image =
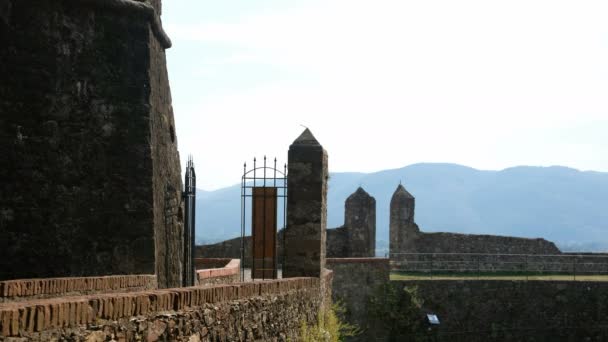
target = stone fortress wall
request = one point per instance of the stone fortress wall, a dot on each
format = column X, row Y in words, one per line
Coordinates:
column 219, row 308
column 91, row 212
column 406, row 237
column 91, row 181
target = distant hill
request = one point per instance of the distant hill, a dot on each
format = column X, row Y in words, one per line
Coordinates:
column 564, row 205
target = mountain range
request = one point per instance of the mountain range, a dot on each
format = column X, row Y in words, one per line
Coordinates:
column 564, row 205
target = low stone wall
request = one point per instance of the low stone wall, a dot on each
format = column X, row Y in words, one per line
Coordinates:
column 584, row 264
column 26, row 289
column 217, row 271
column 477, row 243
column 477, row 310
column 355, row 280
column 267, row 310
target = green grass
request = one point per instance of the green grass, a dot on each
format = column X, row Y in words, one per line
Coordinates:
column 495, row 276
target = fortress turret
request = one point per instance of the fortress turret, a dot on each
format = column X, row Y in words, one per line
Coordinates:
column 402, row 225
column 360, row 222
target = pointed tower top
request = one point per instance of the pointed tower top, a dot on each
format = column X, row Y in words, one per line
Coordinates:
column 306, row 138
column 359, row 193
column 401, row 192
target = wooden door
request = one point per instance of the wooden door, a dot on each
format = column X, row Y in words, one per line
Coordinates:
column 264, row 233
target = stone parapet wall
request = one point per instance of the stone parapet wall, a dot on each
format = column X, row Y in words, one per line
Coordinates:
column 473, row 243
column 218, row 271
column 26, row 289
column 531, row 263
column 39, row 318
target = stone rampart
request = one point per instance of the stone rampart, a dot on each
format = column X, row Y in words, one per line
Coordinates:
column 264, row 310
column 473, row 243
column 485, row 310
column 583, row 264
column 27, row 289
column 355, row 280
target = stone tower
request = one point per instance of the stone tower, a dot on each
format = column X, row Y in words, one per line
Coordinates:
column 305, row 234
column 90, row 170
column 402, row 226
column 360, row 224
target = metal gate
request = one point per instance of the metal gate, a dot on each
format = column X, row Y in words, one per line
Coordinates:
column 264, row 185
column 189, row 223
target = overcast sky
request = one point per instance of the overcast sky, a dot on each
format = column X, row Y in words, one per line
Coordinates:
column 384, row 84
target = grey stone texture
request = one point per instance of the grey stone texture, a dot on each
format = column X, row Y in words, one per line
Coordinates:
column 306, row 208
column 406, row 237
column 486, row 310
column 355, row 281
column 357, row 237
column 90, row 170
column 402, row 229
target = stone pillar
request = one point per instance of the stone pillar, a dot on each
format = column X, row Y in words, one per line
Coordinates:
column 360, row 223
column 306, row 208
column 402, row 225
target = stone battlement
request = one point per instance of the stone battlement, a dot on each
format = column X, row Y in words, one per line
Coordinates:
column 39, row 315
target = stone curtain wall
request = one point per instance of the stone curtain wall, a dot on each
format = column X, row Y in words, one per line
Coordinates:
column 514, row 310
column 354, row 281
column 511, row 263
column 406, row 237
column 27, row 289
column 268, row 310
column 91, row 178
column 470, row 243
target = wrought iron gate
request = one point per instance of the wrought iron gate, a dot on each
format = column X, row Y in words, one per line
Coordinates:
column 264, row 185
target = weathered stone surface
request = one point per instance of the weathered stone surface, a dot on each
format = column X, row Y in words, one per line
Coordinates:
column 402, row 226
column 514, row 310
column 269, row 311
column 406, row 237
column 357, row 237
column 354, row 281
column 306, row 208
column 90, row 168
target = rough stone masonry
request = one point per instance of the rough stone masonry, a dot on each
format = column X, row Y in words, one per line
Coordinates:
column 90, row 169
column 406, row 237
column 306, row 208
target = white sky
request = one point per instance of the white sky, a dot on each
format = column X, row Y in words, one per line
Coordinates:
column 384, row 84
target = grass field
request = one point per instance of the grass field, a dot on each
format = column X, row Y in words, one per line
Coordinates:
column 496, row 276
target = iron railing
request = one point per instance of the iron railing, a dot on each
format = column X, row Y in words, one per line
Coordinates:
column 526, row 266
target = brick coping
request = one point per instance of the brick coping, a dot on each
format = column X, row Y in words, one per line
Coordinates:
column 82, row 285
column 38, row 315
column 231, row 268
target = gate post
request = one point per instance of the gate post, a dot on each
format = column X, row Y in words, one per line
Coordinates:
column 306, row 208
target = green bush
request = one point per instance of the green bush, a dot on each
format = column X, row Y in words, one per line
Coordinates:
column 397, row 310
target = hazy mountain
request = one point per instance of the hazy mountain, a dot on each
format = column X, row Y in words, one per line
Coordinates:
column 564, row 205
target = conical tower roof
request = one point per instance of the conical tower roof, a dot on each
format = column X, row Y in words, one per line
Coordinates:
column 306, row 138
column 359, row 193
column 402, row 193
